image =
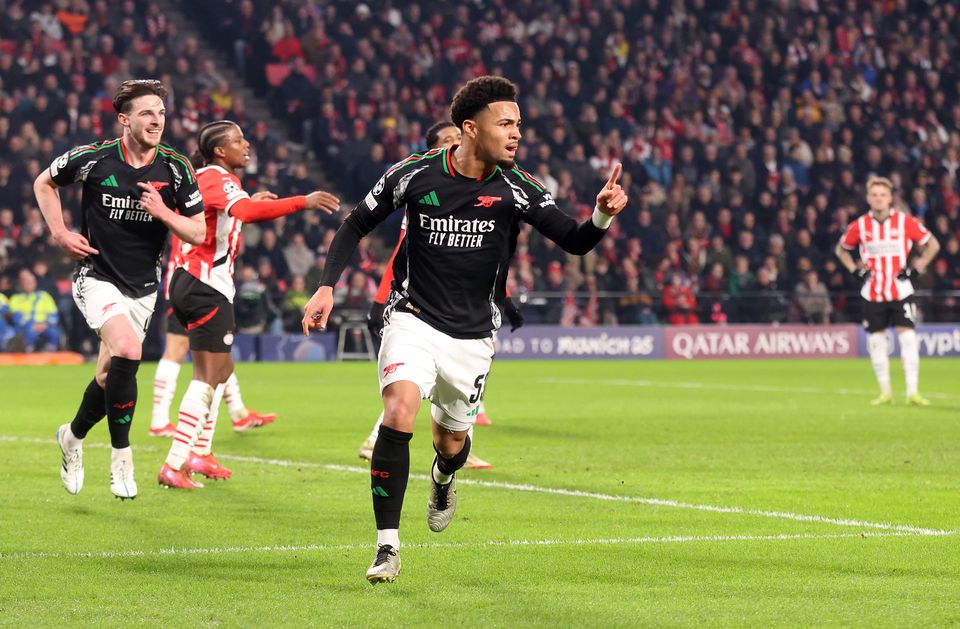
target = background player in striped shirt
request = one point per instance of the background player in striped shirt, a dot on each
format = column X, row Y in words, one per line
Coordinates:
column 202, row 290
column 885, row 238
column 130, row 187
column 441, row 135
column 175, row 349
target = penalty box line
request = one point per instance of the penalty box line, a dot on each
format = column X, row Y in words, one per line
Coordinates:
column 574, row 493
column 511, row 543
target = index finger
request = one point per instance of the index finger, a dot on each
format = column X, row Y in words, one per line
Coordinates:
column 146, row 187
column 614, row 176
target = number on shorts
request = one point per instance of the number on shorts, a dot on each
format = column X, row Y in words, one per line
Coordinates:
column 910, row 311
column 480, row 382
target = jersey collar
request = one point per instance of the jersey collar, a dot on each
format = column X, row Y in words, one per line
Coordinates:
column 213, row 167
column 451, row 171
column 123, row 154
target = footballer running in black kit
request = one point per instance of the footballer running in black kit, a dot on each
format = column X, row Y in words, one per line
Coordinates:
column 129, row 239
column 454, row 254
column 464, row 204
column 130, row 186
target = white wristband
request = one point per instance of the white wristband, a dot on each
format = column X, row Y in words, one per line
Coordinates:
column 600, row 219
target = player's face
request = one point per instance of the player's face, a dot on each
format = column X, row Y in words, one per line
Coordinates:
column 145, row 120
column 447, row 137
column 880, row 199
column 234, row 149
column 497, row 132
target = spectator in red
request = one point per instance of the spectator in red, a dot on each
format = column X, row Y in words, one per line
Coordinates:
column 679, row 301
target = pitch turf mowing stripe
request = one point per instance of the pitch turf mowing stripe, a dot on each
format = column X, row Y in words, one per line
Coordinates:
column 574, row 493
column 726, row 387
column 672, row 539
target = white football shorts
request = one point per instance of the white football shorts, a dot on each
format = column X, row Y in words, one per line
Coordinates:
column 100, row 301
column 450, row 372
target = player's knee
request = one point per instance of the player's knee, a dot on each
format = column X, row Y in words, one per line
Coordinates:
column 399, row 412
column 450, row 446
column 127, row 348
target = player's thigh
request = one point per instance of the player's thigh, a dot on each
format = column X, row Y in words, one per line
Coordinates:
column 99, row 301
column 463, row 366
column 176, row 345
column 903, row 313
column 120, row 337
column 407, row 354
column 877, row 315
column 206, row 314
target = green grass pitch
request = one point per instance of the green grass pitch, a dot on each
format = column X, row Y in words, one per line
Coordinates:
column 623, row 494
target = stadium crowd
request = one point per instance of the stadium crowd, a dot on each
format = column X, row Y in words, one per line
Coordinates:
column 746, row 130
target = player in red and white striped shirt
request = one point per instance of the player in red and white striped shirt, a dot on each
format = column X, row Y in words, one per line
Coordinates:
column 202, row 291
column 175, row 352
column 885, row 237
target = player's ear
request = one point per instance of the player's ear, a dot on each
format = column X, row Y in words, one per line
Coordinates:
column 469, row 129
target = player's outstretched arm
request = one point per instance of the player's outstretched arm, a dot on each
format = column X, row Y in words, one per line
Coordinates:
column 573, row 237
column 48, row 200
column 191, row 229
column 267, row 206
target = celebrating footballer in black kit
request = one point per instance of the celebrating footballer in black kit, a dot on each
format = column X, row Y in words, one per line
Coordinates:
column 130, row 185
column 463, row 204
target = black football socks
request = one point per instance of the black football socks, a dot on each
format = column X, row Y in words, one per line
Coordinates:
column 389, row 469
column 93, row 407
column 121, row 399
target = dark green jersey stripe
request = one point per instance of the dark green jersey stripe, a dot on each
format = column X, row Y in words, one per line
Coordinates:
column 528, row 179
column 191, row 177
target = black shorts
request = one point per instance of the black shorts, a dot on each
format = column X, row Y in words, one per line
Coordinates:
column 205, row 313
column 880, row 315
column 173, row 324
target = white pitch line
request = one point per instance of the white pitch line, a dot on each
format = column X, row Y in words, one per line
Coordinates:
column 673, row 539
column 574, row 493
column 719, row 386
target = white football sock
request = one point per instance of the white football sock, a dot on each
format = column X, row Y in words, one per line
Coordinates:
column 388, row 536
column 205, row 440
column 376, row 428
column 878, row 347
column 231, row 394
column 164, row 388
column 194, row 410
column 910, row 357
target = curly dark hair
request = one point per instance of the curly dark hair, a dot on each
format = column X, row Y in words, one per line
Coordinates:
column 135, row 88
column 477, row 94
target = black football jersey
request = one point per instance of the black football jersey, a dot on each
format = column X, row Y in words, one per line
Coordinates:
column 459, row 239
column 130, row 241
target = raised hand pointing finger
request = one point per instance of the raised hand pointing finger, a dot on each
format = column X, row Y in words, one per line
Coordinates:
column 614, row 176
